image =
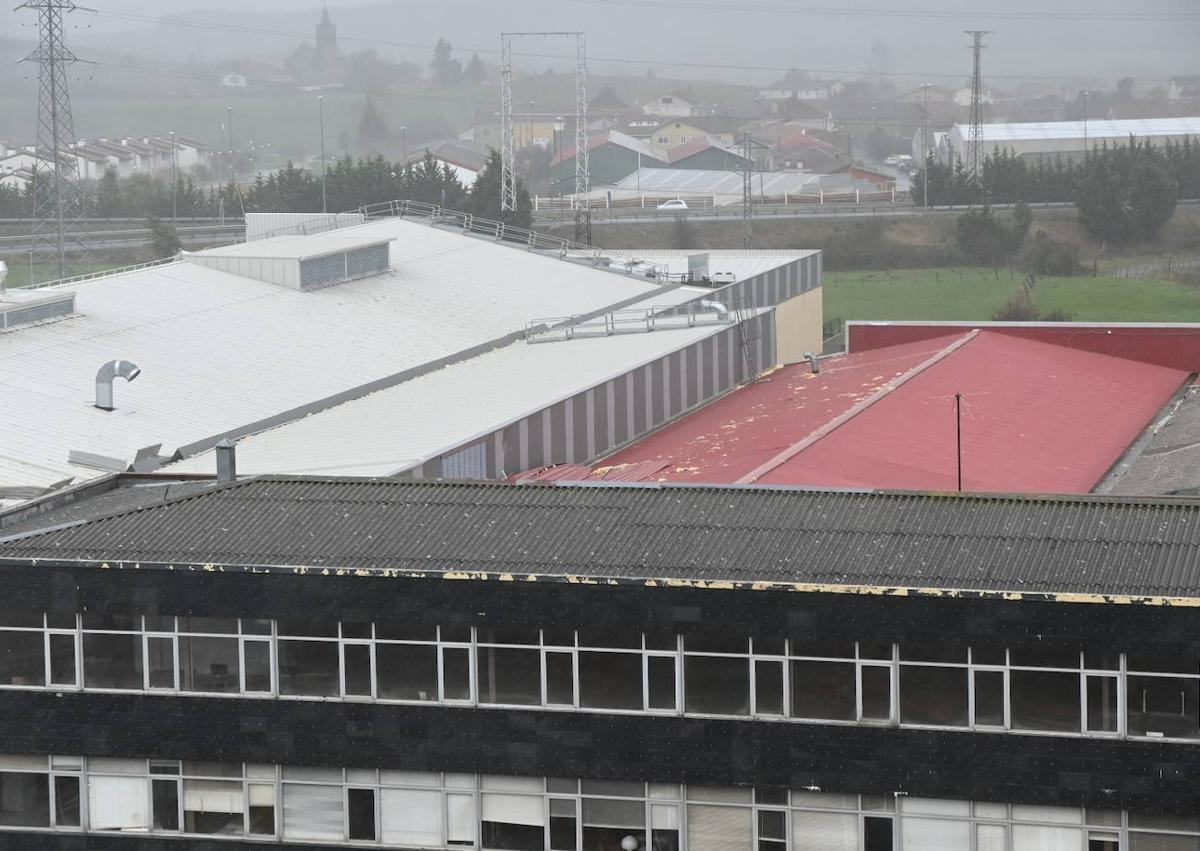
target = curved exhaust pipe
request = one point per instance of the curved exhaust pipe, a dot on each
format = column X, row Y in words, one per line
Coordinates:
column 104, row 380
column 716, row 306
column 812, row 363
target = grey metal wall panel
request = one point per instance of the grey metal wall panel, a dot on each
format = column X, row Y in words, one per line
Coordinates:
column 674, row 385
column 467, row 463
column 620, row 412
column 658, row 391
column 579, row 428
column 512, row 455
column 559, row 433
column 523, row 444
column 640, row 404
column 532, row 439
column 708, row 377
column 596, row 419
column 610, row 414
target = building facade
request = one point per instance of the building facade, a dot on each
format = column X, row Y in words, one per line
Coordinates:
column 523, row 668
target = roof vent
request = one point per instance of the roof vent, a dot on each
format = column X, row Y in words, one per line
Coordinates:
column 19, row 307
column 104, row 380
column 226, row 461
column 300, row 262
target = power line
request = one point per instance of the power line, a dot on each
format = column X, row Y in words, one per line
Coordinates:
column 610, row 60
column 957, row 14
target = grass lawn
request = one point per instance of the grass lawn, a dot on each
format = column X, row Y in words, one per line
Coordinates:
column 19, row 272
column 975, row 294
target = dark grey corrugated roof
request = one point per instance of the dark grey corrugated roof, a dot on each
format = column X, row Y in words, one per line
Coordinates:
column 1044, row 545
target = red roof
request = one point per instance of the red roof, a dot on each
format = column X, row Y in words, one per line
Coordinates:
column 1036, row 417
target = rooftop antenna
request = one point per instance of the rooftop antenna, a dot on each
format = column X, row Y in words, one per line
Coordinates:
column 58, row 215
column 976, row 101
column 508, row 173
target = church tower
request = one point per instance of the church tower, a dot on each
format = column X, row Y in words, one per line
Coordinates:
column 327, row 52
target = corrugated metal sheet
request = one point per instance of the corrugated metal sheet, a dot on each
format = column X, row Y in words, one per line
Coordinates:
column 220, row 352
column 1008, row 544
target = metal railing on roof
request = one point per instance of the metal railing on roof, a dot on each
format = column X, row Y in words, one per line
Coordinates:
column 77, row 279
column 634, row 321
column 565, row 249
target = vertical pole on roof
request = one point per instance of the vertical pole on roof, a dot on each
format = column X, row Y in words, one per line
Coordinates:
column 508, row 177
column 958, row 435
column 324, row 197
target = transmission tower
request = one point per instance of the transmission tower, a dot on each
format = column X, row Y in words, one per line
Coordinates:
column 58, row 215
column 747, row 191
column 976, row 101
column 508, row 175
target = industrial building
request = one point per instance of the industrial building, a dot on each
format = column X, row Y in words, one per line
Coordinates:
column 1067, row 138
column 984, row 407
column 375, row 662
column 376, row 331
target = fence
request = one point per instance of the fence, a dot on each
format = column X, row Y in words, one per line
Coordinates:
column 713, row 202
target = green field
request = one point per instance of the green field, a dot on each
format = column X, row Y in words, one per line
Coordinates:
column 975, row 294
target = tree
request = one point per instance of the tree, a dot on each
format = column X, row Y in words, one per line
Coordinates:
column 476, row 71
column 109, row 201
column 444, row 70
column 164, row 240
column 484, row 200
column 372, row 130
column 1125, row 195
column 986, row 239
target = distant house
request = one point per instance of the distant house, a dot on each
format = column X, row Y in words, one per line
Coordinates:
column 863, row 174
column 672, row 134
column 1184, row 88
column 962, row 97
column 611, row 156
column 463, row 160
column 936, row 94
column 674, row 105
column 234, row 81
column 801, row 89
column 801, row 113
column 706, row 153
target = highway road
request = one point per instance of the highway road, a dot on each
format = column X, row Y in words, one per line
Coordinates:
column 192, row 235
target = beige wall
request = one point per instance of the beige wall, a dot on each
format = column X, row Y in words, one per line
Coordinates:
column 799, row 326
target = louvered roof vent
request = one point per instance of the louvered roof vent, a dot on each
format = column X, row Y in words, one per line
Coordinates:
column 300, row 262
column 18, row 308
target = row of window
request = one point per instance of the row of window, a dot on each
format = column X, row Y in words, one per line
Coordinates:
column 1052, row 690
column 434, row 810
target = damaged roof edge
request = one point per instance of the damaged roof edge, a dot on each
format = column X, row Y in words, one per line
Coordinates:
column 459, row 574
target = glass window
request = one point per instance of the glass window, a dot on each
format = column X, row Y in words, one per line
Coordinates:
column 933, row 696
column 768, row 687
column 876, row 693
column 661, row 681
column 360, row 808
column 62, row 660
column 822, row 649
column 991, row 837
column 989, row 698
column 717, row 685
column 398, row 631
column 24, row 800
column 160, row 662
column 509, row 675
column 563, row 824
column 920, row 834
column 1162, row 842
column 610, row 680
column 118, row 803
column 312, row 812
column 720, row 828
column 607, row 822
column 262, row 809
column 1028, row 837
column 209, row 664
column 772, row 830
column 411, row 818
column 406, row 671
column 716, row 642
column 314, row 627
column 356, row 660
column 1183, row 661
column 1044, row 657
column 460, row 819
column 213, row 807
column 512, row 822
column 257, row 657
column 877, row 833
column 456, row 673
column 508, row 635
column 1162, row 706
column 824, row 831
column 1102, row 704
column 165, row 804
column 627, row 639
column 112, row 661
column 222, row 626
column 823, row 690
column 308, row 668
column 22, row 659
column 66, row 801
column 560, row 679
column 1044, row 700
column 932, row 653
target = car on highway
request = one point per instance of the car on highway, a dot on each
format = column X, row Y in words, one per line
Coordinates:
column 673, row 204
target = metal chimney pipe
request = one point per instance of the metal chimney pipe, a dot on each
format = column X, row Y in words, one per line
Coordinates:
column 812, row 363
column 104, row 380
column 226, row 461
column 721, row 310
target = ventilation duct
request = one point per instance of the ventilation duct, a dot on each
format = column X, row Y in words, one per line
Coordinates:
column 18, row 308
column 300, row 262
column 104, row 380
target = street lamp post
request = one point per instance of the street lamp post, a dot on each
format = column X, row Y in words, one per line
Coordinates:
column 324, row 195
column 174, row 182
column 232, row 156
column 404, row 144
column 1086, row 149
column 925, row 145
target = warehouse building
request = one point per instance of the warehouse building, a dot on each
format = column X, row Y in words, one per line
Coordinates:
column 546, row 352
column 1069, row 139
column 341, row 662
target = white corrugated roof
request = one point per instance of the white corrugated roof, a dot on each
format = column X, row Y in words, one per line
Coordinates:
column 296, row 247
column 220, row 352
column 683, row 181
column 401, row 427
column 1096, row 129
